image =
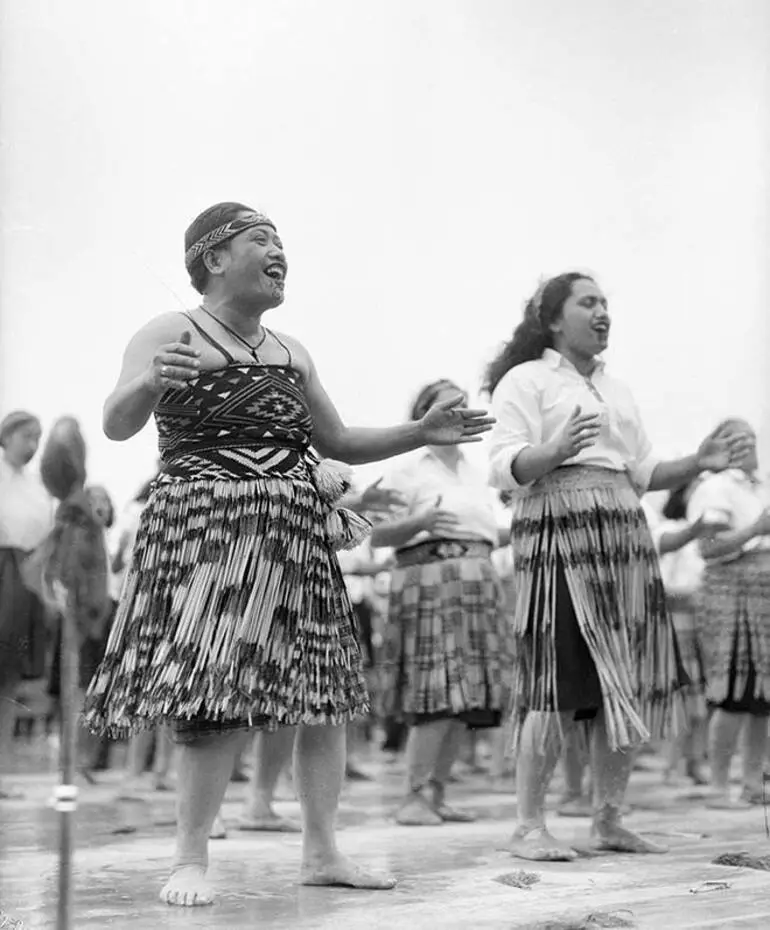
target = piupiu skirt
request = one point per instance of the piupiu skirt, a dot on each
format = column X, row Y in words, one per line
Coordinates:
column 590, row 618
column 447, row 644
column 735, row 610
column 685, row 615
column 234, row 614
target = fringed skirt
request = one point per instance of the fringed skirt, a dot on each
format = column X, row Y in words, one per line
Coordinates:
column 686, row 619
column 735, row 599
column 233, row 613
column 591, row 625
column 447, row 646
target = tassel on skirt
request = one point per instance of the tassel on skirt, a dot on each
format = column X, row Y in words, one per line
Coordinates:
column 590, row 620
column 447, row 644
column 233, row 613
column 735, row 606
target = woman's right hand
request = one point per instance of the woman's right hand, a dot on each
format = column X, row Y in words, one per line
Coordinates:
column 580, row 432
column 436, row 521
column 710, row 523
column 174, row 365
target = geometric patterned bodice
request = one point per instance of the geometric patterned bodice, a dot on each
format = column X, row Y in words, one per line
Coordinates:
column 235, row 422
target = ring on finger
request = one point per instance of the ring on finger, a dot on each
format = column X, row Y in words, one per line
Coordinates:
column 163, row 371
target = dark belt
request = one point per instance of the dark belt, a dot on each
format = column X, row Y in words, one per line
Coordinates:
column 439, row 550
column 251, row 458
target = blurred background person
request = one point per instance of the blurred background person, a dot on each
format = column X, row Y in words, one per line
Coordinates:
column 26, row 518
column 681, row 568
column 447, row 653
column 736, row 620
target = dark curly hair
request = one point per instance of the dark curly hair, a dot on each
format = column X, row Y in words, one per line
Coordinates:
column 533, row 334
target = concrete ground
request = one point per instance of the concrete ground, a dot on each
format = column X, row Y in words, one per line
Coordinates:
column 451, row 876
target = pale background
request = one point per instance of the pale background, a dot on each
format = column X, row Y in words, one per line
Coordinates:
column 426, row 161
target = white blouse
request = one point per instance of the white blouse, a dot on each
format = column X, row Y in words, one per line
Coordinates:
column 732, row 497
column 122, row 538
column 26, row 509
column 360, row 587
column 464, row 493
column 681, row 571
column 533, row 402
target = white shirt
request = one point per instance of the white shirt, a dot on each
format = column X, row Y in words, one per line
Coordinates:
column 360, row 587
column 26, row 509
column 122, row 539
column 732, row 496
column 533, row 402
column 464, row 493
column 681, row 571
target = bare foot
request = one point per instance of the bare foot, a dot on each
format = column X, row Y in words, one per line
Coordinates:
column 452, row 815
column 695, row 771
column 132, row 790
column 218, row 829
column 611, row 836
column 344, row 873
column 416, row 812
column 188, row 887
column 721, row 801
column 539, row 846
column 268, row 822
column 353, row 773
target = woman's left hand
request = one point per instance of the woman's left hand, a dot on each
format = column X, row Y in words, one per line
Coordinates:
column 449, row 422
column 725, row 448
column 378, row 500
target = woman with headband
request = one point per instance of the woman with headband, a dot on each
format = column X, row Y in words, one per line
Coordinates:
column 447, row 646
column 234, row 612
column 594, row 640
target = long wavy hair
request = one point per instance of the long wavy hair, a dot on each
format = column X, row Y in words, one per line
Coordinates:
column 533, row 334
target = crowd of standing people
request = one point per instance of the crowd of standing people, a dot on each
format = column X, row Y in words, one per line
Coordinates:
column 545, row 603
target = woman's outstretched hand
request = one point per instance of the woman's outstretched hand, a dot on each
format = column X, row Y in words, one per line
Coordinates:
column 450, row 422
column 724, row 448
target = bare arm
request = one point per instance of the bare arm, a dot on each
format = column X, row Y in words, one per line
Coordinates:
column 674, row 540
column 731, row 541
column 394, row 533
column 675, row 473
column 723, row 448
column 141, row 384
column 333, row 439
column 359, row 445
column 579, row 432
column 535, row 461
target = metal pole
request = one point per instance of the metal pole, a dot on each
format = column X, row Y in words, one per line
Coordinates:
column 66, row 794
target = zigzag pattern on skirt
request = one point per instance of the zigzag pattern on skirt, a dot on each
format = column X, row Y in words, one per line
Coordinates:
column 234, row 607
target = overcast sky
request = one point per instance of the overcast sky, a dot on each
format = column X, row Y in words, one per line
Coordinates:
column 426, row 161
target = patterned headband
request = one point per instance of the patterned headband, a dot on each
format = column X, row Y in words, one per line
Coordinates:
column 222, row 233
